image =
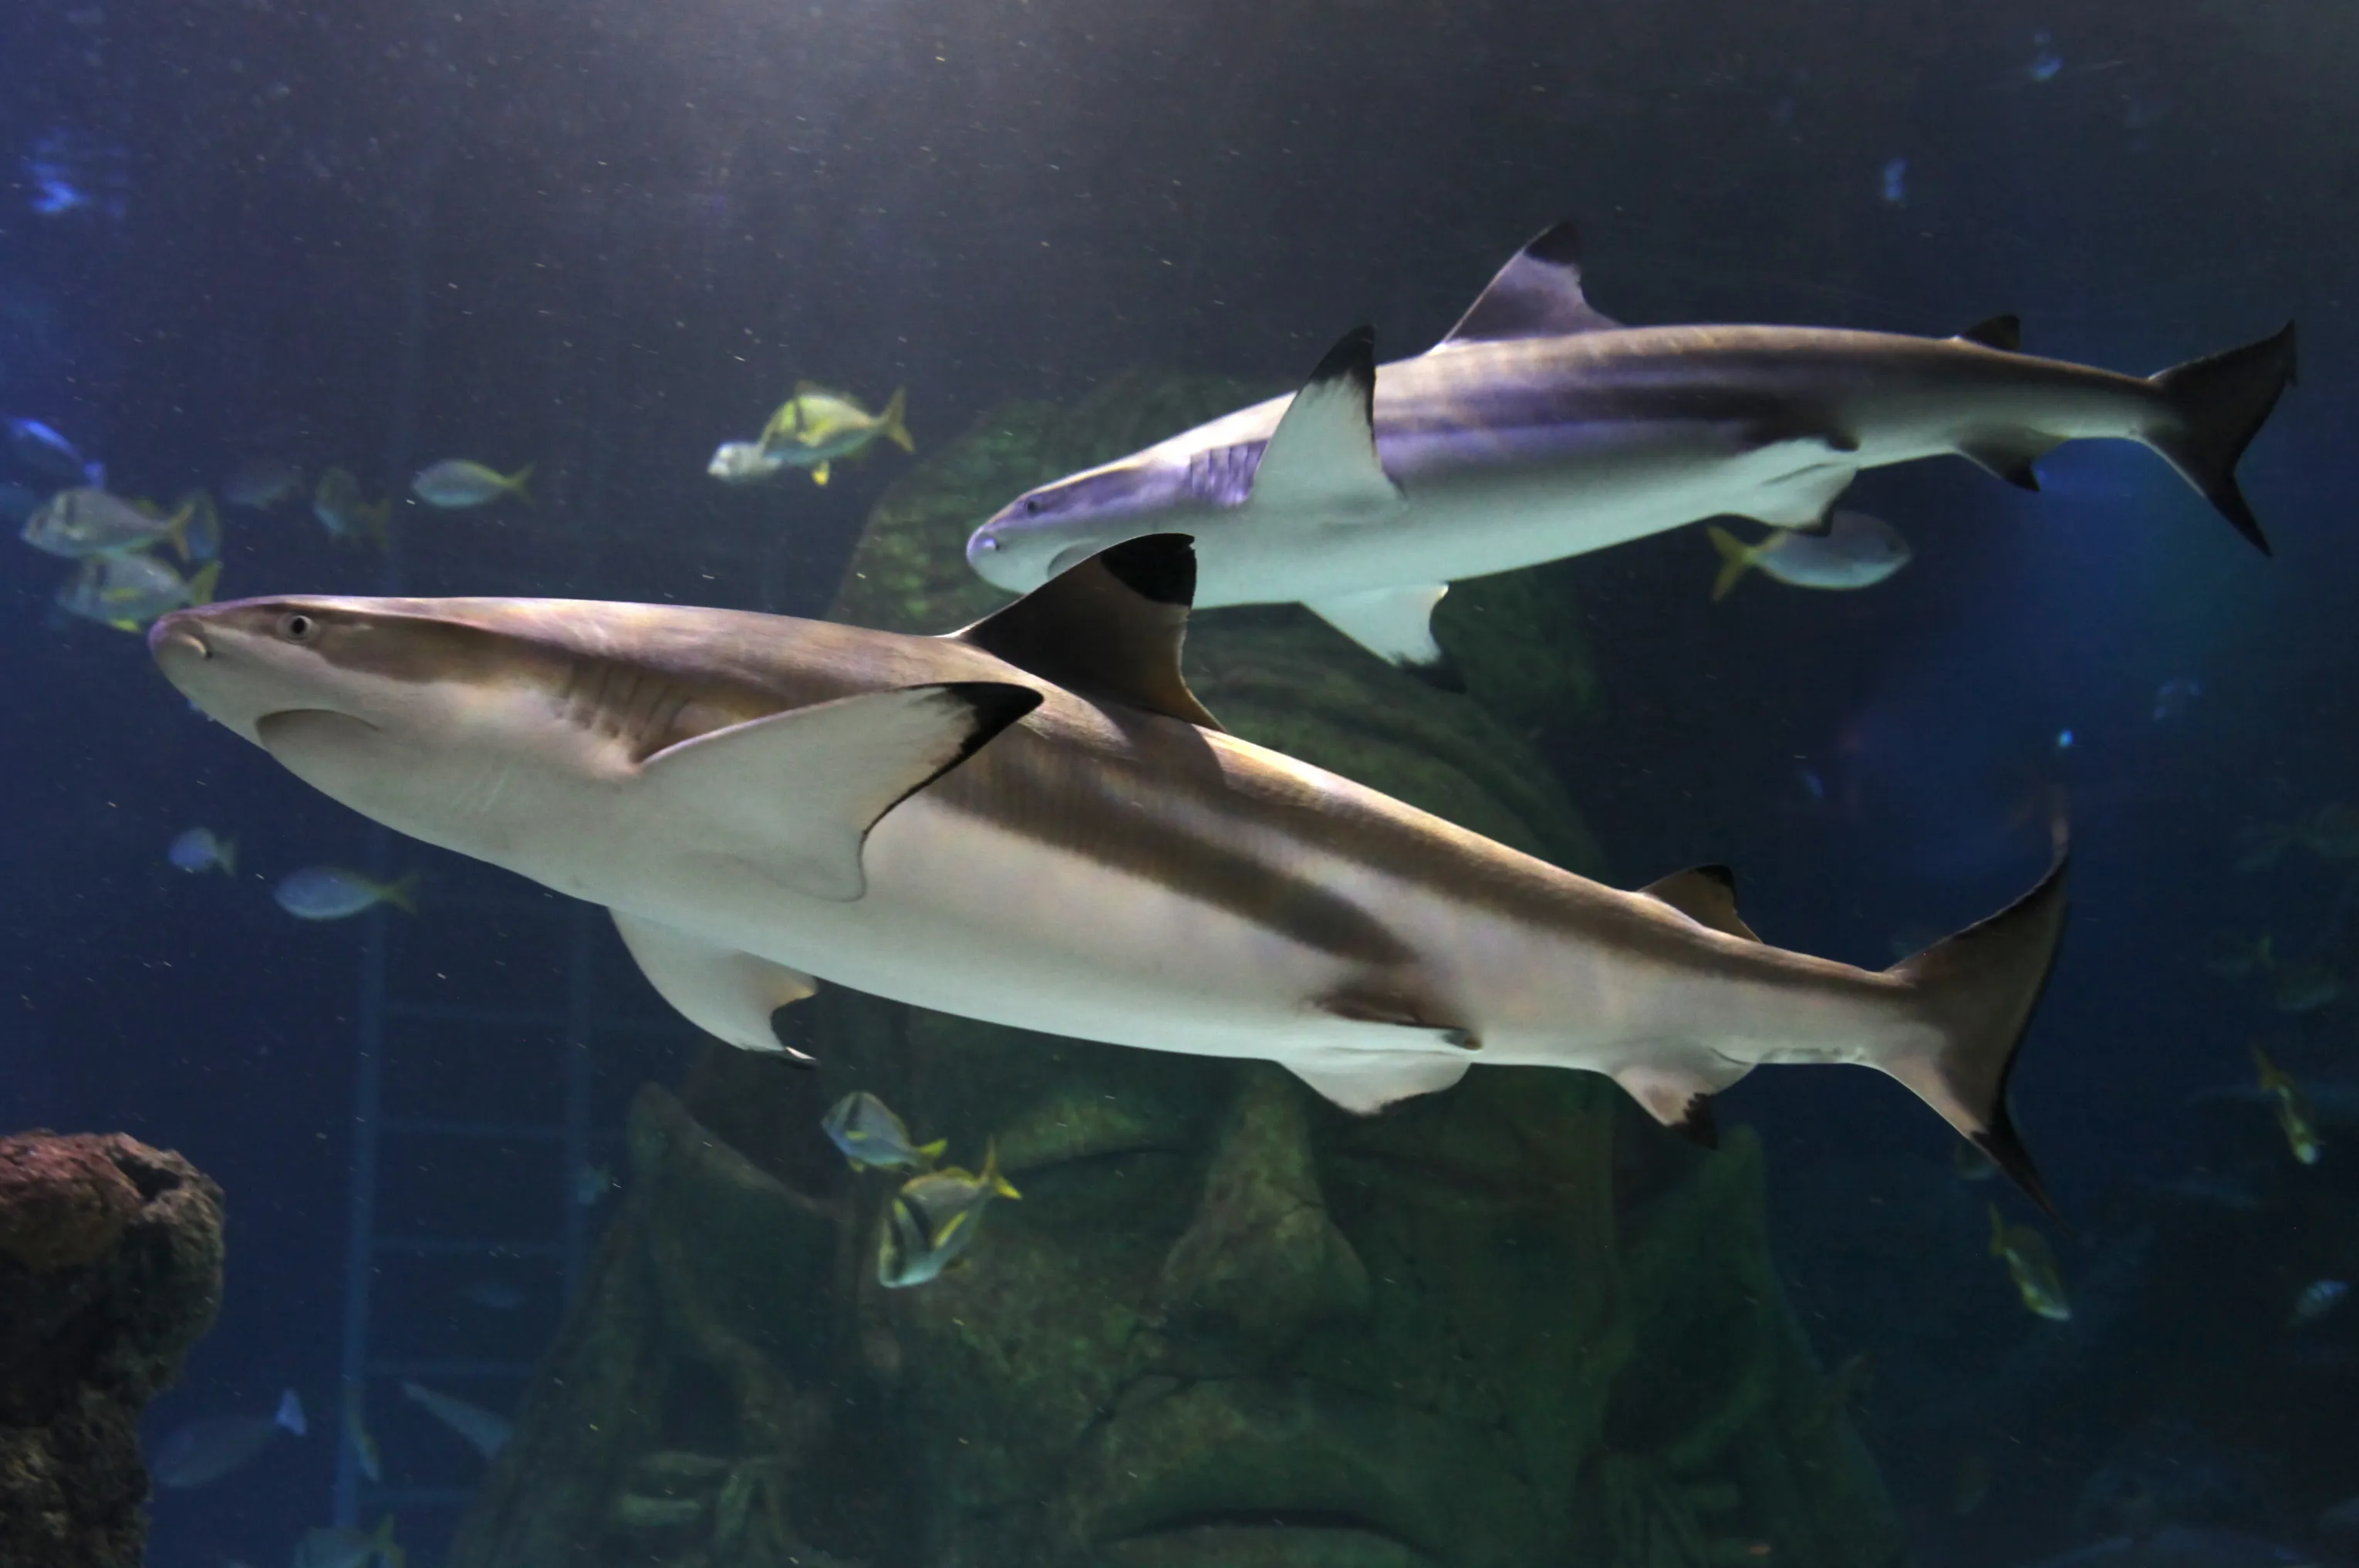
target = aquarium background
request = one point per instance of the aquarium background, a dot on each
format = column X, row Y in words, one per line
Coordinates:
column 605, row 236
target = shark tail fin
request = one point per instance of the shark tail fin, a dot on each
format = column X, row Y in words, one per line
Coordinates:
column 895, row 420
column 2217, row 405
column 1976, row 991
column 1736, row 558
column 515, row 483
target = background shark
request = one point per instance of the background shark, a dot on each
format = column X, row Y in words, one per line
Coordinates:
column 1539, row 428
column 1033, row 822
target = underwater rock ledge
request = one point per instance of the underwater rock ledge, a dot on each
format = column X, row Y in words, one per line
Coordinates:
column 110, row 1269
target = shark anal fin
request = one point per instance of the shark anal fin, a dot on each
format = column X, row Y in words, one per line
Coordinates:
column 2010, row 455
column 1109, row 627
column 794, row 795
column 1394, row 623
column 2002, row 332
column 729, row 995
column 1680, row 1097
column 1536, row 295
column 1705, row 894
column 1321, row 459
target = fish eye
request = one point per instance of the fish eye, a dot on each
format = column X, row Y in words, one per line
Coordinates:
column 298, row 627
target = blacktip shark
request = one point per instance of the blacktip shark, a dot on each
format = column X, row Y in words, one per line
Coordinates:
column 1034, row 822
column 1540, row 428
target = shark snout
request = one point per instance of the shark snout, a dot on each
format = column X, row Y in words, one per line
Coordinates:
column 178, row 634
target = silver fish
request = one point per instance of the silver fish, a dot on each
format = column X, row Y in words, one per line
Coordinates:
column 488, row 1434
column 744, row 462
column 1539, row 428
column 1033, row 822
column 1856, row 551
column 934, row 1219
column 129, row 590
column 206, row 1450
column 866, row 1131
column 76, row 523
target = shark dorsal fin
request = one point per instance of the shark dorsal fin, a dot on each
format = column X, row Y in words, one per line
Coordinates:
column 1705, row 894
column 1109, row 627
column 2002, row 332
column 1536, row 294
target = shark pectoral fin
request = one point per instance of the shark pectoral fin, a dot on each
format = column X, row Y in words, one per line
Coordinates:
column 1364, row 1082
column 1680, row 1097
column 1536, row 295
column 2009, row 454
column 1705, row 894
column 793, row 796
column 1321, row 459
column 2002, row 332
column 1395, row 624
column 729, row 995
column 1109, row 627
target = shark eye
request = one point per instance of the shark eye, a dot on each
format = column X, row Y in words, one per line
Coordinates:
column 298, row 627
column 1031, row 506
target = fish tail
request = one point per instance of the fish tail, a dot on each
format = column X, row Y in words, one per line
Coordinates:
column 819, row 474
column 1736, row 558
column 402, row 892
column 2216, row 405
column 991, row 1176
column 176, row 529
column 893, row 420
column 203, row 531
column 933, row 1151
column 225, row 856
column 2271, row 1074
column 515, row 484
column 389, row 1555
column 202, row 586
column 379, row 519
column 1977, row 991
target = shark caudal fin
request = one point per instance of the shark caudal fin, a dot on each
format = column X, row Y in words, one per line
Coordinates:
column 1977, row 991
column 2219, row 403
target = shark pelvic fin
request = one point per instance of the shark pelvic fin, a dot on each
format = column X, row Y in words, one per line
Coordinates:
column 1680, row 1098
column 1705, row 894
column 2009, row 454
column 1321, row 459
column 1364, row 1082
column 2002, row 332
column 1536, row 295
column 1394, row 624
column 1109, row 628
column 729, row 995
column 794, row 795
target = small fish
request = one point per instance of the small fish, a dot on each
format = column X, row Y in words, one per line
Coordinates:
column 1893, row 188
column 332, row 893
column 815, row 427
column 489, row 1433
column 2304, row 988
column 495, row 1296
column 934, row 1219
column 1856, row 551
column 45, row 452
column 85, row 522
column 341, row 1546
column 455, row 483
column 1967, row 1161
column 205, row 1451
column 2292, row 1107
column 201, row 850
column 260, row 484
column 2032, row 1267
column 872, row 1136
column 364, row 1449
column 338, row 502
column 2317, row 1299
column 2045, row 61
column 2172, row 696
column 743, row 462
column 592, row 1183
column 128, row 591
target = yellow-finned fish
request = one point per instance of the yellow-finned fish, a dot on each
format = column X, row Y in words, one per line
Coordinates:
column 815, row 427
column 128, row 591
column 86, row 522
column 2032, row 1265
column 2292, row 1107
column 1855, row 551
column 455, row 483
column 347, row 515
column 872, row 1138
column 933, row 1220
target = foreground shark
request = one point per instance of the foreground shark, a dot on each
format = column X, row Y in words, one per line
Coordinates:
column 1538, row 430
column 1034, row 822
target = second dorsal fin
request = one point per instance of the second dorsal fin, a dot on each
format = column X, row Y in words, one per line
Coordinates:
column 1705, row 894
column 1109, row 627
column 1536, row 295
column 2002, row 332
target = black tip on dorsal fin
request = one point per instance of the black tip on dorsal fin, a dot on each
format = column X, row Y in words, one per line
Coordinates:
column 1536, row 295
column 2002, row 332
column 1352, row 361
column 1108, row 627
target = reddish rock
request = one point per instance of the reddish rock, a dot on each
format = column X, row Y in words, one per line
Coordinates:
column 110, row 1269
